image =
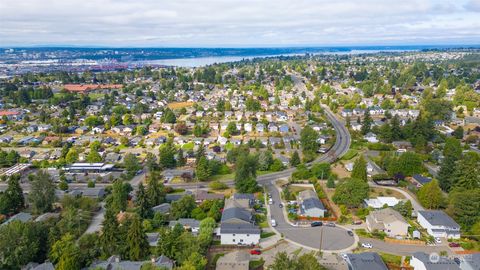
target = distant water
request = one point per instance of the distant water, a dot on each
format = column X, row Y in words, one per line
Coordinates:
column 204, row 61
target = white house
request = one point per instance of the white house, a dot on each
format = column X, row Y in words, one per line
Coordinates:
column 371, row 137
column 438, row 224
column 423, row 261
column 237, row 225
column 388, row 221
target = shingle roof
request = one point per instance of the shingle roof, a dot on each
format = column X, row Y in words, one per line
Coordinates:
column 367, row 260
column 439, row 218
column 241, row 228
column 442, row 264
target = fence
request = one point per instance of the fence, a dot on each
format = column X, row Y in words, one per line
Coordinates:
column 404, row 241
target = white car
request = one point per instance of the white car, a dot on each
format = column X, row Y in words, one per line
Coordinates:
column 367, row 245
column 344, row 256
column 438, row 240
column 274, row 223
column 270, row 201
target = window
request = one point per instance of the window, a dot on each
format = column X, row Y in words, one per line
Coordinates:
column 233, row 240
column 248, row 235
column 233, row 234
column 241, row 240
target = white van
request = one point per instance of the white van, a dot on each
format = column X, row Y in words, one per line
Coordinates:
column 274, row 223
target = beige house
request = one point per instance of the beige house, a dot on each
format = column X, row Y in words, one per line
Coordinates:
column 237, row 260
column 389, row 221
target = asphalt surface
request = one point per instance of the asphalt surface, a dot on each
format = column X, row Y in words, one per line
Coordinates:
column 331, row 238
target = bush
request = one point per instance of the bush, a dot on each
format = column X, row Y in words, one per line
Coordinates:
column 217, row 185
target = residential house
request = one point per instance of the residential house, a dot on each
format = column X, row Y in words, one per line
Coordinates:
column 260, row 127
column 202, row 195
column 238, row 225
column 115, row 262
column 388, row 221
column 470, row 262
column 283, row 128
column 272, row 127
column 35, row 266
column 94, row 193
column 421, row 180
column 248, row 127
column 366, row 260
column 190, row 224
column 371, row 137
column 438, row 224
column 236, row 260
column 424, row 261
column 310, row 205
column 163, row 208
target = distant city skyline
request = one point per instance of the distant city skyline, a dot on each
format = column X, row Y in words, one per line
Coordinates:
column 238, row 23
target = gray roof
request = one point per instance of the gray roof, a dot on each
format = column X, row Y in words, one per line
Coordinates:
column 367, row 260
column 310, row 200
column 162, row 208
column 22, row 217
column 443, row 264
column 439, row 218
column 114, row 262
column 471, row 260
column 243, row 196
column 238, row 213
column 36, row 266
column 190, row 222
column 243, row 228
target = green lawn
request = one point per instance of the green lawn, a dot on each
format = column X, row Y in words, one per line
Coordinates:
column 188, row 146
column 266, row 234
column 390, row 258
column 351, row 153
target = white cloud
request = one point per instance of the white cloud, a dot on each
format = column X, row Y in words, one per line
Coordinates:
column 237, row 22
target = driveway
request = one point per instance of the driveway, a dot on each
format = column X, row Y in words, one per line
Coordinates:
column 333, row 239
column 403, row 250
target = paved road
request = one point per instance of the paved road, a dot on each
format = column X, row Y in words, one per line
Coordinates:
column 97, row 220
column 332, row 238
column 403, row 250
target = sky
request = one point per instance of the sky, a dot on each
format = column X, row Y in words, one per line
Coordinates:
column 238, row 23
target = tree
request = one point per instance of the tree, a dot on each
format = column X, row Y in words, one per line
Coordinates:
column 452, row 152
column 142, row 203
column 306, row 261
column 21, row 243
column 467, row 172
column 194, row 262
column 42, row 193
column 72, row 155
column 246, row 174
column 404, row 208
column 183, row 207
column 65, row 254
column 430, row 195
column 360, row 169
column 295, row 159
column 12, row 200
column 168, row 240
column 109, row 238
column 265, row 159
column 367, row 122
column 168, row 116
column 203, row 171
column 331, row 182
column 137, row 242
column 131, row 164
column 308, row 140
column 351, row 192
column 321, row 170
column 463, row 206
column 155, row 189
column 458, row 133
column 117, row 201
column 94, row 156
column 167, row 155
column 181, row 128
column 232, row 128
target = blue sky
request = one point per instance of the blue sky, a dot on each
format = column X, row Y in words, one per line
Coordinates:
column 238, row 23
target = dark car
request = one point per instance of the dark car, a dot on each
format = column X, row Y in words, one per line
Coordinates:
column 350, row 233
column 456, row 260
column 280, row 205
column 316, row 224
column 453, row 244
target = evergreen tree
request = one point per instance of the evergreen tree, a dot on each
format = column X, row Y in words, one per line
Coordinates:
column 265, row 160
column 452, row 152
column 12, row 200
column 109, row 239
column 331, row 182
column 246, row 174
column 155, row 189
column 42, row 194
column 94, row 156
column 138, row 247
column 295, row 159
column 467, row 172
column 65, row 254
column 360, row 169
column 117, row 201
column 367, row 122
column 141, row 202
column 181, row 160
column 167, row 155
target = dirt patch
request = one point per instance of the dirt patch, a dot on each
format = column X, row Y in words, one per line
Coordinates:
column 179, row 105
column 340, row 170
column 379, row 192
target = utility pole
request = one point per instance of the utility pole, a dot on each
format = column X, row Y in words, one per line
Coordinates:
column 321, row 242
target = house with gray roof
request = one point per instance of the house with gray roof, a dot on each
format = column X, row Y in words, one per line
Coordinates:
column 367, row 260
column 237, row 225
column 163, row 208
column 115, row 262
column 22, row 217
column 423, row 261
column 438, row 224
column 310, row 205
column 187, row 223
column 470, row 262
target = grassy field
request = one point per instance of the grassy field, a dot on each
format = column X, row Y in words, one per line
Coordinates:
column 351, row 153
column 390, row 258
column 179, row 105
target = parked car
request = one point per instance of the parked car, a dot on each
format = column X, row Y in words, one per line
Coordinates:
column 280, row 205
column 255, row 252
column 438, row 240
column 344, row 256
column 453, row 244
column 356, row 222
column 316, row 224
column 270, row 201
column 330, row 224
column 367, row 245
column 274, row 223
column 350, row 233
column 456, row 260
